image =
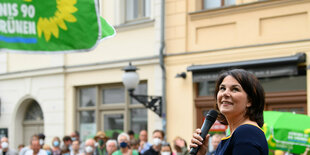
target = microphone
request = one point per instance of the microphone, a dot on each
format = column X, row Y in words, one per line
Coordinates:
column 209, row 121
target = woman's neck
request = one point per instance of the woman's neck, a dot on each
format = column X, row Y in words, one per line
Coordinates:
column 235, row 122
column 124, row 150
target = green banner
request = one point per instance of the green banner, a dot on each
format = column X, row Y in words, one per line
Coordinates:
column 51, row 26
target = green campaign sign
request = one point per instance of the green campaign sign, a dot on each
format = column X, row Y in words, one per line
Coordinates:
column 51, row 26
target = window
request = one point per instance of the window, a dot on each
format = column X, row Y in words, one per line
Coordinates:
column 210, row 4
column 104, row 107
column 137, row 9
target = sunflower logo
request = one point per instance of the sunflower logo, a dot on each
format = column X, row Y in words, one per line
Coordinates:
column 50, row 25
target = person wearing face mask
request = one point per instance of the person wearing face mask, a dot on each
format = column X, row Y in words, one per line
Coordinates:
column 41, row 139
column 165, row 149
column 123, row 141
column 56, row 146
column 90, row 147
column 158, row 137
column 101, row 139
column 47, row 148
column 5, row 147
column 75, row 135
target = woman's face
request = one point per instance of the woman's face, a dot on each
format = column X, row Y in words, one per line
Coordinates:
column 165, row 149
column 232, row 100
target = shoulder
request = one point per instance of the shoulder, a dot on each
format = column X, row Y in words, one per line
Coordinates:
column 250, row 135
column 117, row 152
column 249, row 130
column 12, row 152
column 135, row 152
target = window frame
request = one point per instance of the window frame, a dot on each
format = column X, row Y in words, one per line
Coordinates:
column 101, row 109
column 223, row 4
column 141, row 9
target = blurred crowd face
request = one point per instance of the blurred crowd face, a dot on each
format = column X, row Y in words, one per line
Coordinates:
column 4, row 144
column 158, row 135
column 157, row 138
column 89, row 146
column 111, row 147
column 143, row 136
column 35, row 146
column 123, row 141
column 74, row 136
column 215, row 141
column 165, row 150
column 56, row 142
column 75, row 145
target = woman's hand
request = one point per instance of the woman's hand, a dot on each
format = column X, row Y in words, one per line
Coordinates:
column 198, row 141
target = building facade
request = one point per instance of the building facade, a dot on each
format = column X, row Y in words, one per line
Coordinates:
column 270, row 38
column 60, row 93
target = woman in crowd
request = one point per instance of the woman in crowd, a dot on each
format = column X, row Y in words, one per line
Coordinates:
column 56, row 146
column 123, row 141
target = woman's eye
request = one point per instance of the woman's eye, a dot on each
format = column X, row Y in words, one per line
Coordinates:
column 222, row 88
column 235, row 89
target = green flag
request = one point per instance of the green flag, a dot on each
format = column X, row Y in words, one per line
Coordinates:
column 51, row 26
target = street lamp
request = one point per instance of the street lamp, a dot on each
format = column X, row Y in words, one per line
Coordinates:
column 130, row 81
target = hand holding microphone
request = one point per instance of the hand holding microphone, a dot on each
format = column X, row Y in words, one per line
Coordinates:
column 199, row 140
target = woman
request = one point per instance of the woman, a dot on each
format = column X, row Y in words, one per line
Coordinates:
column 240, row 100
column 123, row 141
column 165, row 149
column 56, row 146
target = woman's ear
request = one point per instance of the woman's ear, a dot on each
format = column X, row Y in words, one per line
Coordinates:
column 249, row 104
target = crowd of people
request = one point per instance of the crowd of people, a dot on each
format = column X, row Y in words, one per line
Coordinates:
column 100, row 144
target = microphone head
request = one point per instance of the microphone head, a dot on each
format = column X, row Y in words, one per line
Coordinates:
column 212, row 115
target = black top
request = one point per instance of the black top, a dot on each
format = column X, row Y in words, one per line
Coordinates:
column 246, row 139
column 151, row 151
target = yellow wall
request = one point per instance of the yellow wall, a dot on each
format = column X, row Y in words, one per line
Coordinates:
column 254, row 30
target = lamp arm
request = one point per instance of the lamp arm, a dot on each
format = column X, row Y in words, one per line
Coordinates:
column 153, row 103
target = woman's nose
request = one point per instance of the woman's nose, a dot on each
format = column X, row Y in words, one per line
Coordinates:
column 226, row 93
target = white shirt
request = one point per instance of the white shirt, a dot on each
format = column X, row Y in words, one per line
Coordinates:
column 41, row 152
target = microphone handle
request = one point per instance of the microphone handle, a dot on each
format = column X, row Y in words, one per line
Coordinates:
column 204, row 131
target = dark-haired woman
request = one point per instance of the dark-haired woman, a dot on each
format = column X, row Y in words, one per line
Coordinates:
column 240, row 100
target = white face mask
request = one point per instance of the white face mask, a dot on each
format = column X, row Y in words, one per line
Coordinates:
column 165, row 153
column 156, row 141
column 4, row 145
column 88, row 149
column 41, row 141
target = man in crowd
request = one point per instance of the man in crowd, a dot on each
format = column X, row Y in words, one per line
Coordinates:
column 111, row 146
column 158, row 137
column 66, row 148
column 41, row 139
column 5, row 147
column 35, row 148
column 90, row 147
column 101, row 139
column 76, row 136
column 26, row 148
column 75, row 148
column 215, row 141
column 144, row 144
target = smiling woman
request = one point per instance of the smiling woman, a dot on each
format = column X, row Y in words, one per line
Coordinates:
column 240, row 99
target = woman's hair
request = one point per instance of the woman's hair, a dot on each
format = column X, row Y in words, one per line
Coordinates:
column 54, row 139
column 121, row 135
column 253, row 89
column 168, row 145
